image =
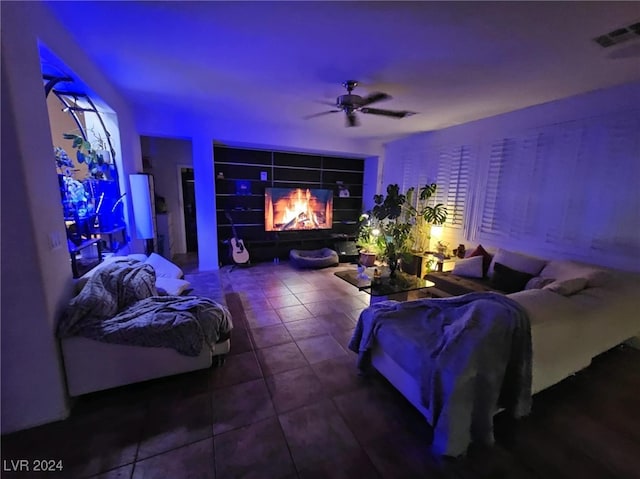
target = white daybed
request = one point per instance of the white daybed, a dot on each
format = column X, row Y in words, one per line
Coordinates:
column 92, row 365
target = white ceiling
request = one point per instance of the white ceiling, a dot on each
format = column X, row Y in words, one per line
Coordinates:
column 274, row 62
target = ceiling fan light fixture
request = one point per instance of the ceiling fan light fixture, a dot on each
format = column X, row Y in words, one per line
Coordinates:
column 352, row 119
column 350, row 104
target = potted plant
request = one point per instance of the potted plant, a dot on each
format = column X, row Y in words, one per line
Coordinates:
column 395, row 223
column 369, row 240
column 426, row 215
column 404, row 223
column 101, row 147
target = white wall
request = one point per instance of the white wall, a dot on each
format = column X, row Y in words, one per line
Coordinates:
column 608, row 186
column 36, row 278
column 166, row 155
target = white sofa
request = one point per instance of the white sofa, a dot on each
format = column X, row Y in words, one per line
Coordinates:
column 568, row 331
column 586, row 311
column 92, row 365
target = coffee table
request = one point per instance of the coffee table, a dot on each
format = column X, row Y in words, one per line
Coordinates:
column 397, row 288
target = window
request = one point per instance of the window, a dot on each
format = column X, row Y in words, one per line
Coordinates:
column 615, row 211
column 453, row 180
column 558, row 186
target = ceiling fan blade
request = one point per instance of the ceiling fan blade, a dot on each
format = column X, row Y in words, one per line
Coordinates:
column 352, row 119
column 374, row 97
column 325, row 102
column 391, row 113
column 320, row 114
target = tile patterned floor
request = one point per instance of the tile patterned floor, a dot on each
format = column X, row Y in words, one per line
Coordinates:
column 287, row 404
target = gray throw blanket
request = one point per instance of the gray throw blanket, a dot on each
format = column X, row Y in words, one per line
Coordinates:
column 470, row 354
column 119, row 304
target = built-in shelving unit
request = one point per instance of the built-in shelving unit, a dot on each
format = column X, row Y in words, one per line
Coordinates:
column 258, row 169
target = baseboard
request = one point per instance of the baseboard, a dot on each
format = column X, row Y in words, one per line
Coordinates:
column 633, row 342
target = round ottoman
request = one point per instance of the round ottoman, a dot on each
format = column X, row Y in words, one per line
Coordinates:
column 315, row 258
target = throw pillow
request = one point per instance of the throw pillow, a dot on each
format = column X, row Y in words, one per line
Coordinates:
column 172, row 286
column 507, row 279
column 518, row 262
column 486, row 258
column 164, row 268
column 538, row 282
column 567, row 269
column 469, row 267
column 568, row 287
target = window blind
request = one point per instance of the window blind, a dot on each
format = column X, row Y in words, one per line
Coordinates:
column 454, row 183
column 559, row 186
column 493, row 220
column 415, row 172
column 614, row 211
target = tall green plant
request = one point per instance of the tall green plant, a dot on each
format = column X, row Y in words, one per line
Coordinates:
column 436, row 214
column 426, row 213
column 401, row 217
column 393, row 220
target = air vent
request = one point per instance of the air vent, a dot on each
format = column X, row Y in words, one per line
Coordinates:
column 619, row 35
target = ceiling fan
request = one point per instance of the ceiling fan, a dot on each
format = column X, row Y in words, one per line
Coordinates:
column 351, row 103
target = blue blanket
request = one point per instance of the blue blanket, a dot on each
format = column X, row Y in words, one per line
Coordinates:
column 470, row 354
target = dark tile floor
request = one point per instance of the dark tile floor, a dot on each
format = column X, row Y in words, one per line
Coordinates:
column 287, row 404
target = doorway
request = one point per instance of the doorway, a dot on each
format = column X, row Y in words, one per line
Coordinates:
column 189, row 209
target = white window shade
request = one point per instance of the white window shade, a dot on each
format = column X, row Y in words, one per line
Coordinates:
column 558, row 187
column 615, row 211
column 454, row 183
column 490, row 222
column 415, row 169
column 566, row 189
column 509, row 209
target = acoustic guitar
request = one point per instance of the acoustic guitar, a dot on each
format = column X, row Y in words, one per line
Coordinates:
column 239, row 253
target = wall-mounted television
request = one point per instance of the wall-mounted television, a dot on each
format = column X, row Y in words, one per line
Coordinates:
column 296, row 209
